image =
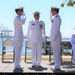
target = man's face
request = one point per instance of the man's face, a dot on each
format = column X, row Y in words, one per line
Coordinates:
column 53, row 12
column 19, row 12
column 36, row 17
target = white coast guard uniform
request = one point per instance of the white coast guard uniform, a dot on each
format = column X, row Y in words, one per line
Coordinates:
column 73, row 45
column 18, row 37
column 36, row 35
column 55, row 38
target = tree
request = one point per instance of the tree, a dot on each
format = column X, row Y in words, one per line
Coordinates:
column 69, row 3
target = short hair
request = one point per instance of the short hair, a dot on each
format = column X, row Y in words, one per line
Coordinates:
column 57, row 10
column 36, row 13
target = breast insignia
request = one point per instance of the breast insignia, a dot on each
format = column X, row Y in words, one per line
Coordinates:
column 40, row 26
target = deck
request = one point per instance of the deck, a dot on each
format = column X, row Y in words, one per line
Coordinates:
column 66, row 66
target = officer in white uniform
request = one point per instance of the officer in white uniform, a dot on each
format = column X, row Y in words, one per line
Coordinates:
column 36, row 35
column 72, row 41
column 55, row 36
column 18, row 35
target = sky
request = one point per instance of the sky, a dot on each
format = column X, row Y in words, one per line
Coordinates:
column 67, row 14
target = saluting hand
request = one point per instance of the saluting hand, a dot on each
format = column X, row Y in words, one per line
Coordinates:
column 50, row 16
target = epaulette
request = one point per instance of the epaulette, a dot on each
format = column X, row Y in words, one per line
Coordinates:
column 31, row 21
column 73, row 35
column 42, row 21
column 56, row 16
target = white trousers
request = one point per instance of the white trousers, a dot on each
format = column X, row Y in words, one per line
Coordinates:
column 73, row 48
column 18, row 51
column 56, row 52
column 36, row 53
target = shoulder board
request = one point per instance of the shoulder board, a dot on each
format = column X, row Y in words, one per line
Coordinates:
column 73, row 35
column 31, row 21
column 16, row 17
column 57, row 16
column 41, row 21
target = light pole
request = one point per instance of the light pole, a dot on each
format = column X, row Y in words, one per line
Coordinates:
column 2, row 37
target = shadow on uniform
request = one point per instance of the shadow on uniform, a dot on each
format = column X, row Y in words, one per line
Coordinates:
column 38, row 68
column 18, row 70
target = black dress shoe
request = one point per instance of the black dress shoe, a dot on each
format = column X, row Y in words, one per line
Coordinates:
column 39, row 66
column 33, row 66
column 19, row 67
column 56, row 70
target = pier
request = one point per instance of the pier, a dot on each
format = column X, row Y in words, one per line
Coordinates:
column 66, row 66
